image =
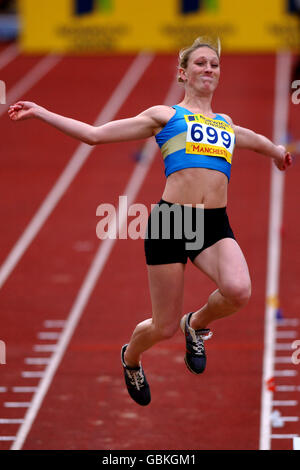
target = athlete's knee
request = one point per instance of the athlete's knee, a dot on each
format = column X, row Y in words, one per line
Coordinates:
column 238, row 292
column 167, row 330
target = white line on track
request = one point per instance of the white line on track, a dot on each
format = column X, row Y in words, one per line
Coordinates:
column 32, row 374
column 11, row 421
column 8, row 55
column 286, row 334
column 48, row 335
column 29, row 80
column 285, row 403
column 54, row 323
column 24, row 389
column 98, row 263
column 281, row 106
column 122, row 91
column 37, row 360
column 44, row 347
column 285, row 373
column 17, row 404
column 287, row 388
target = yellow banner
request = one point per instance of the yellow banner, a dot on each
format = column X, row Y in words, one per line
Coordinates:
column 122, row 26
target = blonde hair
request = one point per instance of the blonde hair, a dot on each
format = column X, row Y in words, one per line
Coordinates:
column 201, row 41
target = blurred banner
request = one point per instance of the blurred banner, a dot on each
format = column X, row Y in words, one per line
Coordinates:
column 157, row 25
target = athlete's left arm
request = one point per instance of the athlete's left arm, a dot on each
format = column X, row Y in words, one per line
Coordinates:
column 248, row 139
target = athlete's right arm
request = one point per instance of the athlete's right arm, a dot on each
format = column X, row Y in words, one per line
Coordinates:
column 144, row 125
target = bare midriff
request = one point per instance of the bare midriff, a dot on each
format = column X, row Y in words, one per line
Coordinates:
column 197, row 186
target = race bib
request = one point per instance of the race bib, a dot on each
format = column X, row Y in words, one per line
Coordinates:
column 209, row 137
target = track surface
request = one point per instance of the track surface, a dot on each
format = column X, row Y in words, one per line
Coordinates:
column 86, row 406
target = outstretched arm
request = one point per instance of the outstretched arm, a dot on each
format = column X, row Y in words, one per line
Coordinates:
column 248, row 139
column 135, row 128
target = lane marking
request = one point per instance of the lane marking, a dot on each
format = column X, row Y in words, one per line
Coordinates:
column 8, row 55
column 34, row 374
column 284, row 402
column 288, row 322
column 136, row 180
column 48, row 335
column 24, row 389
column 3, row 389
column 283, row 436
column 287, row 388
column 29, row 80
column 285, row 373
column 37, row 360
column 54, row 323
column 17, row 404
column 291, row 419
column 286, row 334
column 283, row 346
column 283, row 360
column 7, row 438
column 115, row 102
column 280, row 124
column 44, row 347
column 10, row 421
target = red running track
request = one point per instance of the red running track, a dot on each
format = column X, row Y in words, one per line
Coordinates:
column 87, row 406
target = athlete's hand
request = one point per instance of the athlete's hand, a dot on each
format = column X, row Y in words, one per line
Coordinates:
column 23, row 110
column 284, row 159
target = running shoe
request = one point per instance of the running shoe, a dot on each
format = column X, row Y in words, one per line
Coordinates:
column 195, row 357
column 135, row 379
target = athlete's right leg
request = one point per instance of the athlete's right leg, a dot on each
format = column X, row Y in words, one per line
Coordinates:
column 166, row 289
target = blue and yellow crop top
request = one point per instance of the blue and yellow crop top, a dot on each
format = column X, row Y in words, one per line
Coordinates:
column 193, row 140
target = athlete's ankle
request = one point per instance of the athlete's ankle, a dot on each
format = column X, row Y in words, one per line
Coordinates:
column 129, row 362
column 196, row 322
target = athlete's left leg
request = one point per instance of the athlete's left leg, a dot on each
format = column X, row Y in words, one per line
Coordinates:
column 225, row 264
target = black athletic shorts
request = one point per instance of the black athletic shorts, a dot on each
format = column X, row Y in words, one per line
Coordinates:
column 176, row 233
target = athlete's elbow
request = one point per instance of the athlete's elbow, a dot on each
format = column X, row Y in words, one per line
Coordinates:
column 92, row 138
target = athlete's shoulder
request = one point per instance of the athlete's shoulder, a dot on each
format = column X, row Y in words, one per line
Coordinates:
column 227, row 118
column 159, row 113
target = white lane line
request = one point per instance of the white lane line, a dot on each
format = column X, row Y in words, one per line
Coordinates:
column 136, row 180
column 24, row 389
column 7, row 438
column 283, row 360
column 286, row 334
column 29, row 80
column 122, row 91
column 281, row 106
column 48, row 335
column 32, row 375
column 17, row 404
column 8, row 55
column 10, row 421
column 283, row 346
column 290, row 419
column 44, row 347
column 3, row 389
column 284, row 402
column 37, row 360
column 283, row 436
column 54, row 323
column 285, row 373
column 288, row 322
column 287, row 388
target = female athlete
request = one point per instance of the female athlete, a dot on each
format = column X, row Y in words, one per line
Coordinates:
column 197, row 146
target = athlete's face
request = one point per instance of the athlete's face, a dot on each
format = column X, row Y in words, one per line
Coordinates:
column 203, row 70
